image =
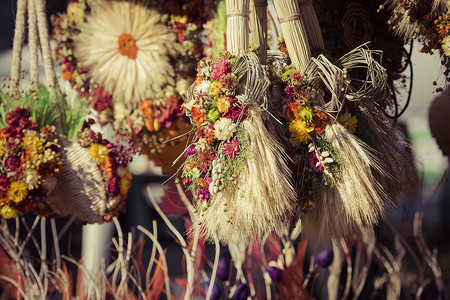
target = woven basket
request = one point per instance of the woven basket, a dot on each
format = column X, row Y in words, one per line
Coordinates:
column 81, row 190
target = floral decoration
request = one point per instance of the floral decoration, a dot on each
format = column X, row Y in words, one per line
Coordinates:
column 154, row 115
column 30, row 164
column 316, row 162
column 219, row 149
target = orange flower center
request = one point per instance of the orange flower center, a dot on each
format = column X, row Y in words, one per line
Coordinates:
column 127, row 45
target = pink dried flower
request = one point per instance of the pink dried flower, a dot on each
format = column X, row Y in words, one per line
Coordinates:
column 4, row 183
column 13, row 163
column 313, row 160
column 231, row 148
column 220, row 68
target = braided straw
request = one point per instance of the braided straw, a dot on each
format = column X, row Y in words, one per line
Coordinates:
column 293, row 28
column 258, row 27
column 19, row 36
column 311, row 22
column 237, row 26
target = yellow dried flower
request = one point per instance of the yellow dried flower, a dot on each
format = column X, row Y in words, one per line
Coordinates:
column 8, row 212
column 223, row 104
column 33, row 143
column 300, row 131
column 125, row 182
column 348, row 121
column 75, row 12
column 215, row 87
column 17, row 192
column 98, row 153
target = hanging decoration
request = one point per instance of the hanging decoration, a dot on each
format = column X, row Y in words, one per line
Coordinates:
column 342, row 182
column 134, row 62
column 235, row 168
column 428, row 21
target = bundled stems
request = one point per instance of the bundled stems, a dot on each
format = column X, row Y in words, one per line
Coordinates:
column 19, row 36
column 258, row 27
column 237, row 25
column 312, row 25
column 293, row 28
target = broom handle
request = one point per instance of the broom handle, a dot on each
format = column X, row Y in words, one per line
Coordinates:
column 292, row 26
column 237, row 26
column 33, row 44
column 19, row 36
column 258, row 27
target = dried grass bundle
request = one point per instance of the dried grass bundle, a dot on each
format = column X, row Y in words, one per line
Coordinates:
column 357, row 199
column 263, row 199
column 294, row 32
column 392, row 149
column 312, row 26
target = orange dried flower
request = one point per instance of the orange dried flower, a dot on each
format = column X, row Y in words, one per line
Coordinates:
column 198, row 116
column 201, row 183
column 147, row 108
column 291, row 111
column 109, row 167
column 66, row 75
column 191, row 165
column 320, row 121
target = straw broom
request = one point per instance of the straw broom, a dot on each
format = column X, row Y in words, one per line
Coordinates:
column 237, row 26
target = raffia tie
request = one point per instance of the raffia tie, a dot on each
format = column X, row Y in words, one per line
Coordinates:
column 290, row 18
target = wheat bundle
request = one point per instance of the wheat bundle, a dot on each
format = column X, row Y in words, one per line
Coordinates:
column 237, row 25
column 293, row 28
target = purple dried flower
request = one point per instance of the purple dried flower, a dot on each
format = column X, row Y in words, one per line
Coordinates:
column 190, row 151
column 203, row 194
column 4, row 183
column 241, row 292
column 13, row 163
column 324, row 258
column 274, row 273
column 222, row 269
column 102, row 99
column 215, row 294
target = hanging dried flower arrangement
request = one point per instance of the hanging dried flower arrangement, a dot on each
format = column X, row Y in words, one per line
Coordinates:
column 134, row 62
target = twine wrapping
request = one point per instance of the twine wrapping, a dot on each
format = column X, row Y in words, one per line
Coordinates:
column 19, row 36
column 33, row 45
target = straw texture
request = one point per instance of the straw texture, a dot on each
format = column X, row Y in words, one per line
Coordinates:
column 19, row 36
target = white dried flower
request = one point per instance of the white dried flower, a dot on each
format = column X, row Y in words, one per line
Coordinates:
column 446, row 45
column 224, row 129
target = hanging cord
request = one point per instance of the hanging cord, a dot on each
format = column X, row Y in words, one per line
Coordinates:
column 50, row 74
column 33, row 45
column 19, row 36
